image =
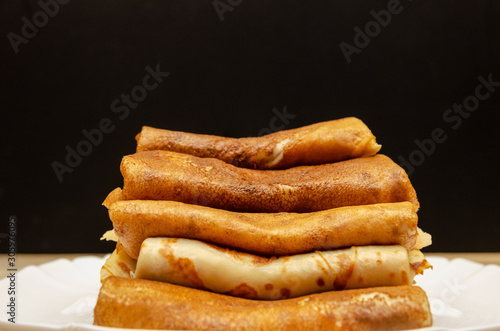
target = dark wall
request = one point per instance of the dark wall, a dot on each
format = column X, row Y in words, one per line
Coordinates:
column 420, row 82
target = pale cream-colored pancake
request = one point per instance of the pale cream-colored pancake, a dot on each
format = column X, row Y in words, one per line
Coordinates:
column 118, row 264
column 199, row 265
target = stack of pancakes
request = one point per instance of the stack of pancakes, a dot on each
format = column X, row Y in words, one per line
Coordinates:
column 307, row 227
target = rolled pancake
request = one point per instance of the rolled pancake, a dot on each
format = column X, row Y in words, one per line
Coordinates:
column 324, row 142
column 265, row 234
column 119, row 264
column 163, row 175
column 143, row 304
column 200, row 265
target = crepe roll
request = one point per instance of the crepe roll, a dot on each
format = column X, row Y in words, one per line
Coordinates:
column 200, row 265
column 119, row 264
column 265, row 234
column 324, row 142
column 164, row 175
column 144, row 304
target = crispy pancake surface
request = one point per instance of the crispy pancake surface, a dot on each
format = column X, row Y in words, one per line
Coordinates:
column 136, row 303
column 318, row 143
column 265, row 234
column 163, row 175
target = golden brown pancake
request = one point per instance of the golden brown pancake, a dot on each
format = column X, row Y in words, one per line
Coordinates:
column 163, row 175
column 137, row 303
column 318, row 143
column 265, row 234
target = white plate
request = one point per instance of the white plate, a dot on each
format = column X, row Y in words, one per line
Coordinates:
column 61, row 295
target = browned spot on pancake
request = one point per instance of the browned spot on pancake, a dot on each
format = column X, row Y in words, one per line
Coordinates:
column 243, row 291
column 182, row 266
column 392, row 275
column 379, row 261
column 347, row 266
column 320, row 265
column 285, row 293
column 188, row 271
column 320, row 281
column 262, row 260
column 268, row 286
column 222, row 249
column 419, row 267
column 366, row 175
column 404, row 277
column 416, row 265
column 360, row 279
column 124, row 267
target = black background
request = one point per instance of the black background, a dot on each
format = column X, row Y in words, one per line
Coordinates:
column 226, row 77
